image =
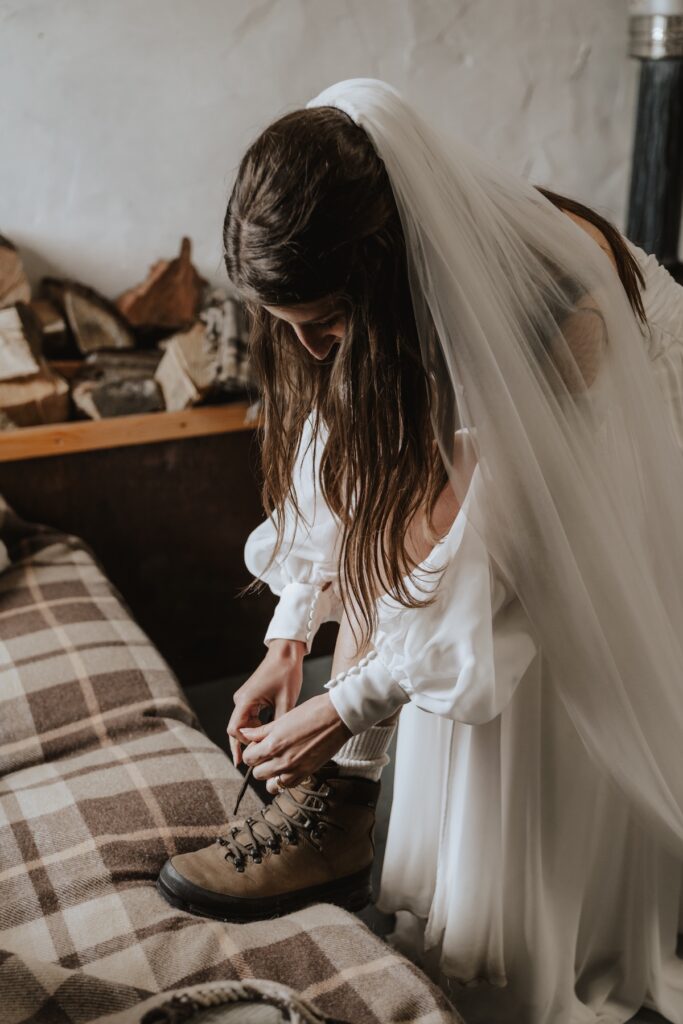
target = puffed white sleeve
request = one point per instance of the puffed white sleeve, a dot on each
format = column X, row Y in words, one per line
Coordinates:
column 460, row 657
column 304, row 574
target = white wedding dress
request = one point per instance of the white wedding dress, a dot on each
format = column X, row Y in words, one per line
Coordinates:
column 501, row 824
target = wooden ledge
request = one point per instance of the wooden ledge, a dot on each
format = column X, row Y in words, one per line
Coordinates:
column 122, row 431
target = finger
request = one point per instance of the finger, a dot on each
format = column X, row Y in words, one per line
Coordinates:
column 259, row 744
column 255, row 752
column 283, row 780
column 254, row 733
column 241, row 717
column 251, row 723
column 275, row 769
column 289, row 779
column 268, row 770
column 236, row 740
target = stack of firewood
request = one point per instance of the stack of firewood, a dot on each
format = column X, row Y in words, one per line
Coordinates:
column 69, row 352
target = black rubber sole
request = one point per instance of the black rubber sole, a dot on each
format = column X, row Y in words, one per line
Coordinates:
column 353, row 893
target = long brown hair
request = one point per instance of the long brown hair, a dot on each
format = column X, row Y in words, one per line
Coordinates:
column 312, row 215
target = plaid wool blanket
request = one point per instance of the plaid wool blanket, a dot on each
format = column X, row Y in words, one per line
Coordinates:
column 104, row 773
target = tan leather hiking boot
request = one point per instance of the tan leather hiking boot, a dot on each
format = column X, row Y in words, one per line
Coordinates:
column 313, row 843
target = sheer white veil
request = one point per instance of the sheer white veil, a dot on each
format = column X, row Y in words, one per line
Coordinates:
column 540, row 373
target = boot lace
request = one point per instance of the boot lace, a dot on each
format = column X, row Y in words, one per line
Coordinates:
column 286, row 832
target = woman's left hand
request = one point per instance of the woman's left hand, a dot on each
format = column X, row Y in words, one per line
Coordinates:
column 296, row 744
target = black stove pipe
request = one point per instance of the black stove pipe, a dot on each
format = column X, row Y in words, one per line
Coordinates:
column 656, row 188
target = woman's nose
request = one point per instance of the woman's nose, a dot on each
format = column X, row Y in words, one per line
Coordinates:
column 318, row 340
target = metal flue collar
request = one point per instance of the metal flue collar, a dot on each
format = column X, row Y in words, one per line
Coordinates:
column 656, row 29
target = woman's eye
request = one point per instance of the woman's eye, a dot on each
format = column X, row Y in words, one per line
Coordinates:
column 329, row 323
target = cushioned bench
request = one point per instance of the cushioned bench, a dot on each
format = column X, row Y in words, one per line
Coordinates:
column 104, row 773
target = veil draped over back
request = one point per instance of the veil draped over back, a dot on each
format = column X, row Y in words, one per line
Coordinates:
column 540, row 374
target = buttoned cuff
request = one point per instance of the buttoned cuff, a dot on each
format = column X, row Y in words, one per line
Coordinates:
column 300, row 612
column 365, row 694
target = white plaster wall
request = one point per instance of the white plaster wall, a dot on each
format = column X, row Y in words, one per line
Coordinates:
column 123, row 121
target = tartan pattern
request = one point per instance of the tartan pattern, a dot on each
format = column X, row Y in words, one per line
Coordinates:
column 104, row 773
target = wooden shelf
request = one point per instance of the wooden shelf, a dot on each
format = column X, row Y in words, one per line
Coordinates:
column 123, row 431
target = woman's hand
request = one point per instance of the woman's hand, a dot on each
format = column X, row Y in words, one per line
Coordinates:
column 275, row 684
column 297, row 743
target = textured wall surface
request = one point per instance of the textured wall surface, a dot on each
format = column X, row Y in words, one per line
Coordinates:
column 123, row 123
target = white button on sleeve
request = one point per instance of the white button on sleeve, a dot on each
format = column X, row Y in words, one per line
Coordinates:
column 301, row 610
column 366, row 693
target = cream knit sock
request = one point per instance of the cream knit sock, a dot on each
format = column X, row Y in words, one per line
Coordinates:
column 366, row 753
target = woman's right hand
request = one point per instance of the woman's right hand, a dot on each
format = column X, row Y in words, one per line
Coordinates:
column 275, row 684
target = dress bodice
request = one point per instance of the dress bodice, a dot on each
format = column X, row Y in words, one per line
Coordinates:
column 663, row 301
column 663, row 334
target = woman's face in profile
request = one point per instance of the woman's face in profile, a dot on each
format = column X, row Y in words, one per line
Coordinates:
column 318, row 325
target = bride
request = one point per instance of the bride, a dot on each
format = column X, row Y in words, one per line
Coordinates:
column 471, row 461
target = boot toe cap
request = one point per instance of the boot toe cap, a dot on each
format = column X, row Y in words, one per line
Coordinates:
column 202, row 868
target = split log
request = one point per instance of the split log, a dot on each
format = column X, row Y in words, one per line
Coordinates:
column 40, row 398
column 209, row 363
column 94, row 321
column 16, row 355
column 170, row 297
column 223, row 317
column 117, row 398
column 186, row 370
column 117, row 384
column 14, row 286
column 56, row 340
